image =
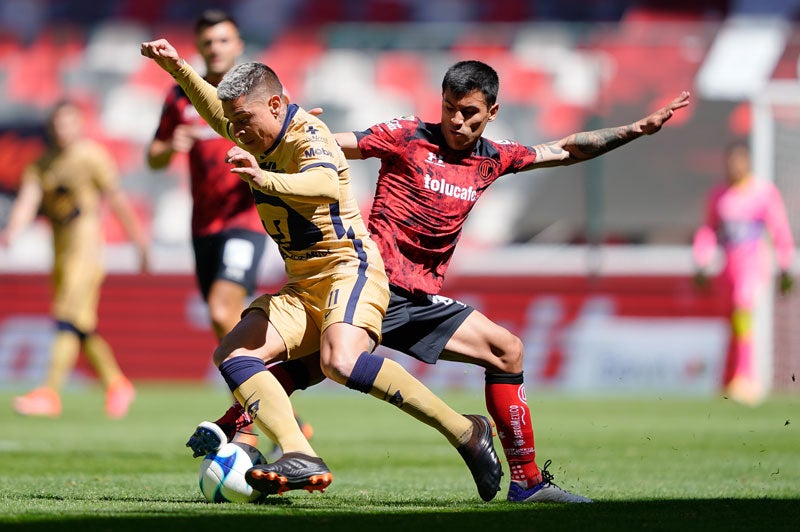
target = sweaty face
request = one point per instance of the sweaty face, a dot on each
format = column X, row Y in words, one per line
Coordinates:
column 220, row 46
column 256, row 120
column 464, row 118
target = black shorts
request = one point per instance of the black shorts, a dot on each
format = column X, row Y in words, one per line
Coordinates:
column 233, row 255
column 420, row 326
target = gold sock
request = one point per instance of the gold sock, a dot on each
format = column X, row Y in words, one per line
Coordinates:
column 101, row 356
column 63, row 355
column 263, row 397
column 395, row 385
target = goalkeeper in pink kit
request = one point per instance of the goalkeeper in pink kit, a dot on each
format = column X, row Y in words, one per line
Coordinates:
column 740, row 212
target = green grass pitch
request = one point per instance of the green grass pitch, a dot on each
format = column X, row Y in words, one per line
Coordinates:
column 649, row 463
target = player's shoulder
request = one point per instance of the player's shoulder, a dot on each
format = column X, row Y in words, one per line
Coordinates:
column 401, row 123
column 305, row 126
column 488, row 147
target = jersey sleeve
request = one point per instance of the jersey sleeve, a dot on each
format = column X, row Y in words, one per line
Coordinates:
column 520, row 157
column 388, row 138
column 203, row 96
column 170, row 116
column 705, row 238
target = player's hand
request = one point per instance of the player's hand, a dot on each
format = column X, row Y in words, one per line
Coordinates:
column 183, row 138
column 316, row 111
column 246, row 166
column 700, row 279
column 652, row 123
column 163, row 53
column 785, row 283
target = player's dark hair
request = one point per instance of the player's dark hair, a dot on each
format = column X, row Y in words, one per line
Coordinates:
column 247, row 78
column 212, row 17
column 467, row 76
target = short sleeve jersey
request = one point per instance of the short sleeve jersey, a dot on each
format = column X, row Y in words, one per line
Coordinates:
column 220, row 199
column 73, row 182
column 314, row 239
column 424, row 194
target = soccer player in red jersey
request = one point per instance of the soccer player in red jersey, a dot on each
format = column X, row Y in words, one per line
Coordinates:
column 227, row 234
column 430, row 177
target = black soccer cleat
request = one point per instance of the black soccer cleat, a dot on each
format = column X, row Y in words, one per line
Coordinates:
column 292, row 471
column 481, row 458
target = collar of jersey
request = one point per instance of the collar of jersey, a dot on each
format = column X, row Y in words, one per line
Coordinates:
column 291, row 110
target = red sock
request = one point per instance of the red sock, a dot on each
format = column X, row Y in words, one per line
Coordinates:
column 284, row 377
column 506, row 402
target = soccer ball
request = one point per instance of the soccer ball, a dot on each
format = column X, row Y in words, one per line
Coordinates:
column 222, row 473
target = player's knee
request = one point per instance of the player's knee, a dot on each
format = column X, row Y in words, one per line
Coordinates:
column 336, row 367
column 222, row 353
column 223, row 316
column 510, row 355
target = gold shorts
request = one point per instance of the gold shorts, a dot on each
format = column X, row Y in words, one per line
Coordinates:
column 77, row 294
column 303, row 309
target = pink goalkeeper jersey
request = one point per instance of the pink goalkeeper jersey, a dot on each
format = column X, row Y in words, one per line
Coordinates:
column 738, row 217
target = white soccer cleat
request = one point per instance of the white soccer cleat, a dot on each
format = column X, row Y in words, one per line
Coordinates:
column 208, row 437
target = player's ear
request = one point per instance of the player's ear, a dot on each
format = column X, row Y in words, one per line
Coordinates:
column 493, row 111
column 274, row 103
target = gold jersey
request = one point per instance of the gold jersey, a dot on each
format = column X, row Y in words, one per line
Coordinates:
column 73, row 182
column 316, row 235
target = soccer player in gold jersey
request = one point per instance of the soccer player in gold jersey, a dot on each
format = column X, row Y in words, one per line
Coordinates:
column 337, row 290
column 69, row 183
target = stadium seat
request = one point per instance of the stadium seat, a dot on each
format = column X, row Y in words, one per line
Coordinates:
column 291, row 55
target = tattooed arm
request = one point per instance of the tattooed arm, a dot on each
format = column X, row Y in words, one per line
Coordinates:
column 589, row 144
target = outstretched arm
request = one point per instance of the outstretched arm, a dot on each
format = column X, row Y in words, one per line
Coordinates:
column 202, row 94
column 590, row 144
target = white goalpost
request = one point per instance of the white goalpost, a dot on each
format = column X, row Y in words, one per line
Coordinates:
column 775, row 141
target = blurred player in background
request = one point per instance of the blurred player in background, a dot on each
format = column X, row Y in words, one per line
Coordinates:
column 741, row 213
column 337, row 291
column 227, row 235
column 68, row 185
column 430, row 177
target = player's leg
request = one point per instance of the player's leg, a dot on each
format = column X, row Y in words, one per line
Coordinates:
column 74, row 310
column 120, row 392
column 480, row 341
column 226, row 266
column 226, row 300
column 742, row 382
column 45, row 400
column 348, row 338
column 81, row 303
column 241, row 358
